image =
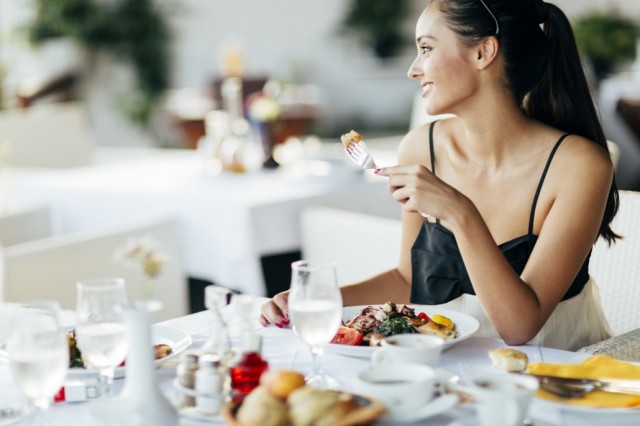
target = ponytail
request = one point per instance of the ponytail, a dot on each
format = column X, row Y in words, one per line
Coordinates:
column 563, row 99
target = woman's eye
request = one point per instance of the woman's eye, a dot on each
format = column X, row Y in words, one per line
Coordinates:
column 424, row 49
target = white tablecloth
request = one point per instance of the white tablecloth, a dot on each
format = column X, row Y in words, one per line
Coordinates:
column 283, row 350
column 230, row 220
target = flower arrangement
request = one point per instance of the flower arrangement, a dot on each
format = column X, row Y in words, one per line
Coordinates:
column 143, row 252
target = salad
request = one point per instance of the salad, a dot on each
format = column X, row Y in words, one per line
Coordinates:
column 374, row 323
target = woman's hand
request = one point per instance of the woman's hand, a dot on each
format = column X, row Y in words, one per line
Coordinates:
column 275, row 311
column 418, row 190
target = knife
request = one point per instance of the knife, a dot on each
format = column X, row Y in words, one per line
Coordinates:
column 612, row 385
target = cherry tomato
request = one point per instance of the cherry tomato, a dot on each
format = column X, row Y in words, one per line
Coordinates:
column 347, row 336
column 423, row 316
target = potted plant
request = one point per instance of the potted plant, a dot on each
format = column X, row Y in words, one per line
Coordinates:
column 606, row 40
column 132, row 31
column 378, row 24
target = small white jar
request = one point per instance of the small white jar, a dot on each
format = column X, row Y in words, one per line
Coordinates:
column 209, row 385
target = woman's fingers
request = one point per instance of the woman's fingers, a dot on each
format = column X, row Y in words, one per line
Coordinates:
column 275, row 311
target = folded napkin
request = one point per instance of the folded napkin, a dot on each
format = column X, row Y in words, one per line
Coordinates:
column 595, row 367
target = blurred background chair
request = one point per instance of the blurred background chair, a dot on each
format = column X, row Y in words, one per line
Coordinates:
column 25, row 224
column 361, row 244
column 616, row 269
column 50, row 267
column 48, row 135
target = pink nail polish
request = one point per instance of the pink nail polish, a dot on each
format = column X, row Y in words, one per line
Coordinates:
column 376, row 171
column 278, row 325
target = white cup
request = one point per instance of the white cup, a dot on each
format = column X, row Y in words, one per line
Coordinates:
column 502, row 399
column 400, row 387
column 408, row 349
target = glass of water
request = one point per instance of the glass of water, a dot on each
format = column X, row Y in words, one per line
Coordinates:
column 38, row 352
column 100, row 329
column 315, row 306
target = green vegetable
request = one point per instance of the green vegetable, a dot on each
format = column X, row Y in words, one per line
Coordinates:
column 395, row 324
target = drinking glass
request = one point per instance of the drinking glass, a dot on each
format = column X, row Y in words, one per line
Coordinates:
column 315, row 306
column 38, row 353
column 100, row 328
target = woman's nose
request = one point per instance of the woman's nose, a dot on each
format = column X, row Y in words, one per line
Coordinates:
column 414, row 71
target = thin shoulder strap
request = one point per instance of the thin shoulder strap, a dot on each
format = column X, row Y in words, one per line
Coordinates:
column 432, row 153
column 544, row 174
column 433, row 156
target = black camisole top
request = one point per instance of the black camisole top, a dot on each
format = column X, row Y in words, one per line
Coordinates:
column 438, row 271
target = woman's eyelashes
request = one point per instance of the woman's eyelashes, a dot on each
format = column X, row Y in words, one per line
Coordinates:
column 424, row 49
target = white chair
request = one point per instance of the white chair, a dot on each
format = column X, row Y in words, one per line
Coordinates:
column 50, row 267
column 25, row 224
column 361, row 244
column 616, row 269
column 48, row 135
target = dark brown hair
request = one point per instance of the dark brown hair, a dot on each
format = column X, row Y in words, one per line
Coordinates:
column 542, row 67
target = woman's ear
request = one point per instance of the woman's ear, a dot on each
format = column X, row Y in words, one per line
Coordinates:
column 486, row 52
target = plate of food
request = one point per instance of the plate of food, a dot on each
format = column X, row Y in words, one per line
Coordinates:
column 167, row 344
column 283, row 399
column 366, row 325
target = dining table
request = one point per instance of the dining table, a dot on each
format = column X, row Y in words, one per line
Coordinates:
column 284, row 350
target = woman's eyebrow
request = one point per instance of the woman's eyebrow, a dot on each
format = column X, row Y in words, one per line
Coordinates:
column 419, row 38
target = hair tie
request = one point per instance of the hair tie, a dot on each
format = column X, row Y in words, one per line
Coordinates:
column 542, row 11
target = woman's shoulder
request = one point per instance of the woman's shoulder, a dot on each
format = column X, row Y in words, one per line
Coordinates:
column 414, row 147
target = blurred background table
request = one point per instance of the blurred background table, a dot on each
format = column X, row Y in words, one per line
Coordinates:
column 230, row 223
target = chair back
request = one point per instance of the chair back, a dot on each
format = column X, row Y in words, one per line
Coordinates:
column 25, row 224
column 616, row 269
column 49, row 135
column 50, row 267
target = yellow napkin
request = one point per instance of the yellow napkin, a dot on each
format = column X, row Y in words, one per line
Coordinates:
column 595, row 367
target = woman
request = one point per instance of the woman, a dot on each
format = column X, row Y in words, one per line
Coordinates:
column 518, row 185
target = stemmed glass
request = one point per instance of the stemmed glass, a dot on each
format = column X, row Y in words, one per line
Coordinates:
column 38, row 352
column 100, row 328
column 315, row 306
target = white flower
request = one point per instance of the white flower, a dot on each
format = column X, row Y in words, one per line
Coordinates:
column 143, row 252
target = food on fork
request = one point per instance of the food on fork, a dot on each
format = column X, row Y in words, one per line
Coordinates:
column 376, row 323
column 507, row 359
column 349, row 138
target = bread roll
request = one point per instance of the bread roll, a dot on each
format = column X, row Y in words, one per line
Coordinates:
column 307, row 404
column 260, row 408
column 507, row 359
column 280, row 383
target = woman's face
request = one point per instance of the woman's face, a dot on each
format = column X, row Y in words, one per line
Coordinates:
column 443, row 65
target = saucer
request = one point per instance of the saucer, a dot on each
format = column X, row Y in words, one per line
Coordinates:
column 473, row 421
column 434, row 407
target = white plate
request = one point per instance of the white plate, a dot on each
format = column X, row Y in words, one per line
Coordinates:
column 623, row 412
column 466, row 326
column 177, row 339
column 473, row 421
column 434, row 407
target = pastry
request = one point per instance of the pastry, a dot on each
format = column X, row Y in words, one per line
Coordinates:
column 280, row 383
column 260, row 408
column 349, row 138
column 507, row 359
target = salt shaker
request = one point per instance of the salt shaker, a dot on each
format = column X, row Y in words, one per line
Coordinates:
column 186, row 372
column 209, row 385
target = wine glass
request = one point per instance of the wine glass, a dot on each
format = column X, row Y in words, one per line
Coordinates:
column 38, row 352
column 100, row 328
column 315, row 306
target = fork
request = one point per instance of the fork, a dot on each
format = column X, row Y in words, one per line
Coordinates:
column 364, row 160
column 570, row 391
column 360, row 156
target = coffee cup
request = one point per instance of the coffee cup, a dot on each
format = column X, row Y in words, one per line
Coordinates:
column 400, row 387
column 409, row 349
column 502, row 399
